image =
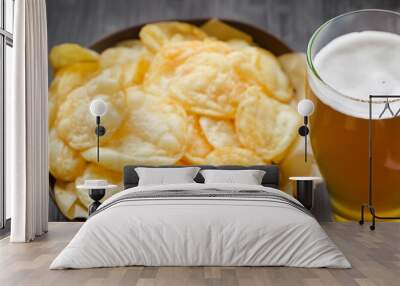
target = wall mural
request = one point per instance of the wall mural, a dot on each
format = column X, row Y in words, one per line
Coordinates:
column 193, row 94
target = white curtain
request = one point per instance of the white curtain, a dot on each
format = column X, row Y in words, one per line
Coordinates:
column 26, row 124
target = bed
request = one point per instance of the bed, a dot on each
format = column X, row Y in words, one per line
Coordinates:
column 197, row 224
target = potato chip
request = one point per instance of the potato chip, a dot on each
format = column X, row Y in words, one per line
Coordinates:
column 258, row 66
column 234, row 156
column 69, row 54
column 293, row 164
column 66, row 80
column 52, row 111
column 295, row 67
column 79, row 211
column 93, row 171
column 173, row 55
column 133, row 61
column 237, row 44
column 265, row 125
column 65, row 163
column 155, row 35
column 65, row 198
column 76, row 125
column 198, row 147
column 130, row 44
column 219, row 133
column 154, row 133
column 206, row 84
column 72, row 76
column 224, row 32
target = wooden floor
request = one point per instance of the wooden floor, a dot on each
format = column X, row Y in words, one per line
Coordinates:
column 375, row 257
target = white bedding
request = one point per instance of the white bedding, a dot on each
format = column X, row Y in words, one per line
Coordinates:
column 200, row 231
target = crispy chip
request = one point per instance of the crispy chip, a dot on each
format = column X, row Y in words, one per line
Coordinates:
column 202, row 79
column 258, row 66
column 238, row 44
column 155, row 133
column 234, row 156
column 219, row 133
column 66, row 80
column 224, row 32
column 265, row 125
column 66, row 198
column 69, row 54
column 72, row 76
column 295, row 66
column 130, row 44
column 79, row 211
column 155, row 35
column 64, row 163
column 134, row 62
column 293, row 164
column 173, row 55
column 92, row 172
column 75, row 124
column 198, row 147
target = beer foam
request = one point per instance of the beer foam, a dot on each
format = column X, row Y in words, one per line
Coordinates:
column 357, row 65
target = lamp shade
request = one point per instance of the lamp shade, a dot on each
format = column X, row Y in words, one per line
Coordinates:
column 98, row 107
column 305, row 107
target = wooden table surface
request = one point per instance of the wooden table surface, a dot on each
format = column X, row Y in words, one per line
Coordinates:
column 293, row 21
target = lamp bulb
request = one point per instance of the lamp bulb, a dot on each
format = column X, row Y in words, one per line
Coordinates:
column 98, row 107
column 305, row 107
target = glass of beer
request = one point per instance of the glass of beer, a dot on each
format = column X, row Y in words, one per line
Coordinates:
column 349, row 58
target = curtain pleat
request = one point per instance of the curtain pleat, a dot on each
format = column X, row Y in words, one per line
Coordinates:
column 28, row 160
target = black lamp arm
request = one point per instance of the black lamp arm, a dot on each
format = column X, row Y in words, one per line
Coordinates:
column 100, row 131
column 303, row 131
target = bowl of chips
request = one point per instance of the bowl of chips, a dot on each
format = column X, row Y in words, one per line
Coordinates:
column 190, row 92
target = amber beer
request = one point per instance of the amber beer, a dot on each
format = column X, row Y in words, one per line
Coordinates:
column 340, row 146
column 345, row 66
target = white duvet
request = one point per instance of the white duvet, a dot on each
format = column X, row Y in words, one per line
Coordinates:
column 200, row 231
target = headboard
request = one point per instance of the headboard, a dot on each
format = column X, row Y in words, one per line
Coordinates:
column 271, row 177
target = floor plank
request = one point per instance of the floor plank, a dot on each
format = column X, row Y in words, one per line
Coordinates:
column 375, row 257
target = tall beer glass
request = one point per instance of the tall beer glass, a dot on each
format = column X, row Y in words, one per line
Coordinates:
column 339, row 127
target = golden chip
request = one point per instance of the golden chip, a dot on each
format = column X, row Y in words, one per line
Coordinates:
column 66, row 198
column 173, row 55
column 130, row 43
column 198, row 147
column 52, row 111
column 93, row 172
column 219, row 133
column 224, row 32
column 294, row 165
column 79, row 211
column 265, row 125
column 69, row 54
column 155, row 35
column 258, row 66
column 234, row 156
column 134, row 63
column 295, row 67
column 121, row 55
column 66, row 80
column 75, row 124
column 154, row 133
column 237, row 44
column 64, row 163
column 206, row 85
column 72, row 76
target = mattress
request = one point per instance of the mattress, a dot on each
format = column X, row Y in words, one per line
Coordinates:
column 201, row 225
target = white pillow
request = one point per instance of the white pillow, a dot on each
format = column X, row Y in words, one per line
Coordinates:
column 247, row 177
column 166, row 176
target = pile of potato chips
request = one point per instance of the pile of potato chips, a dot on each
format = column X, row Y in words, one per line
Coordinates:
column 180, row 95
